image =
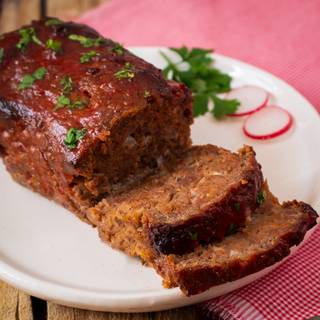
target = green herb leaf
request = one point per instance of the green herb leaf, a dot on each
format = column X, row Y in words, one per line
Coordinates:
column 73, row 137
column 261, row 197
column 231, row 229
column 86, row 57
column 195, row 69
column 54, row 45
column 118, row 49
column 85, row 41
column 146, row 94
column 193, row 235
column 28, row 80
column 223, row 107
column 62, row 102
column 78, row 104
column 1, row 54
column 39, row 73
column 237, row 206
column 27, row 36
column 125, row 72
column 66, row 83
column 52, row 22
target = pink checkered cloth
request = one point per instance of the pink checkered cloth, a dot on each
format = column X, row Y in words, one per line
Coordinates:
column 281, row 36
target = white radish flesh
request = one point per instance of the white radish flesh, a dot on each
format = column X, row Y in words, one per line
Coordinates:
column 251, row 99
column 268, row 123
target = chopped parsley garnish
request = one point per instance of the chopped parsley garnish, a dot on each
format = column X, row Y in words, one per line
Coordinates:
column 54, row 45
column 126, row 72
column 1, row 54
column 27, row 36
column 196, row 71
column 28, row 80
column 66, row 83
column 52, row 22
column 85, row 41
column 237, row 206
column 64, row 99
column 193, row 235
column 146, row 93
column 231, row 229
column 118, row 49
column 261, row 197
column 73, row 137
column 86, row 57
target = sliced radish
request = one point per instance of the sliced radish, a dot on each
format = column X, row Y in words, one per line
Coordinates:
column 268, row 123
column 251, row 99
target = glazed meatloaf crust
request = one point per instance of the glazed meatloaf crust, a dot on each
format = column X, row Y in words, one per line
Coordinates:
column 265, row 240
column 194, row 200
column 79, row 114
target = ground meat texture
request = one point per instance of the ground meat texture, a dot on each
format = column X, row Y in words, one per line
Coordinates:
column 132, row 124
column 198, row 198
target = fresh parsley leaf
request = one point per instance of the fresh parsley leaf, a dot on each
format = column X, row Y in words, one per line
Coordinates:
column 62, row 102
column 126, row 72
column 193, row 235
column 146, row 94
column 66, row 83
column 87, row 56
column 27, row 36
column 200, row 104
column 78, row 104
column 54, row 45
column 73, row 137
column 195, row 69
column 1, row 54
column 223, row 107
column 237, row 206
column 118, row 49
column 85, row 41
column 39, row 73
column 52, row 22
column 261, row 197
column 28, row 79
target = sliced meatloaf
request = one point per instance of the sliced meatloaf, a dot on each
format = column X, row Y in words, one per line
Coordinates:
column 194, row 200
column 79, row 113
column 265, row 240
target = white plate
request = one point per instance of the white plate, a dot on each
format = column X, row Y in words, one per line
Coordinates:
column 49, row 253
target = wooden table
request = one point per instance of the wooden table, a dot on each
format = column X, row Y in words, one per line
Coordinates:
column 14, row 304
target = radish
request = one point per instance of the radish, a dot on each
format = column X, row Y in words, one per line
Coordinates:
column 251, row 99
column 268, row 123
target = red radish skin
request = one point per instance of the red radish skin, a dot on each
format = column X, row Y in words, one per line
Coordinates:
column 242, row 94
column 283, row 129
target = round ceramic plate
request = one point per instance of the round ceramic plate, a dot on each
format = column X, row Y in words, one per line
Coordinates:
column 48, row 252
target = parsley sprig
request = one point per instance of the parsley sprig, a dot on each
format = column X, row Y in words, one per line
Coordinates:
column 28, row 80
column 195, row 69
column 27, row 36
column 64, row 100
column 73, row 136
column 52, row 22
column 87, row 56
column 126, row 72
column 85, row 41
column 54, row 45
column 118, row 49
column 1, row 54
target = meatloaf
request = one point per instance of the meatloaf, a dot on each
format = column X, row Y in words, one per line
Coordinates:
column 79, row 114
column 194, row 200
column 265, row 240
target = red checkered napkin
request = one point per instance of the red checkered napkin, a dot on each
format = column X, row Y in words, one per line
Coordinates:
column 291, row 292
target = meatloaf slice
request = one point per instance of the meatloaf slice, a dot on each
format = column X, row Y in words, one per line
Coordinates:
column 194, row 200
column 79, row 113
column 265, row 240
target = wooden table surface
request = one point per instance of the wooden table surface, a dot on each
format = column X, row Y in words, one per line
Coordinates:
column 15, row 304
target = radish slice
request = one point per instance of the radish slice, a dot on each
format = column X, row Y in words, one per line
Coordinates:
column 268, row 123
column 251, row 99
